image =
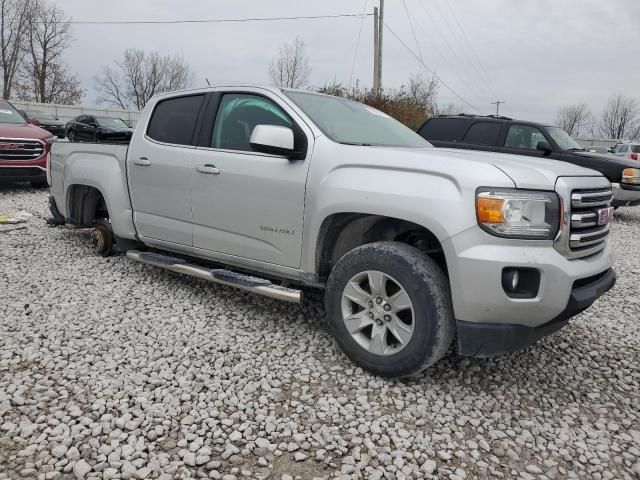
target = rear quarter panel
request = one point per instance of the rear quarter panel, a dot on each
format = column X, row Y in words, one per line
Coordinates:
column 94, row 165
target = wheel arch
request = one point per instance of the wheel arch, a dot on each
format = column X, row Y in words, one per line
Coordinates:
column 342, row 232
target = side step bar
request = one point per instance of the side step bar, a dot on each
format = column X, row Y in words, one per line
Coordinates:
column 257, row 285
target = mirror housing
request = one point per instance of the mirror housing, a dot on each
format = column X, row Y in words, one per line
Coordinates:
column 544, row 146
column 273, row 139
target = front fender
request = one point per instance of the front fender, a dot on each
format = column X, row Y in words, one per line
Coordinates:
column 442, row 203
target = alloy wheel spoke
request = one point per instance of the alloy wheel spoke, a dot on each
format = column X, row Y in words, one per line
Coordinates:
column 400, row 300
column 378, row 340
column 356, row 322
column 356, row 294
column 400, row 330
column 377, row 282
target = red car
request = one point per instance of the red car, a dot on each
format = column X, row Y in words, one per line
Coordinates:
column 24, row 148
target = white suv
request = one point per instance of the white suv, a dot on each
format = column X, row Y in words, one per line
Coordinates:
column 627, row 150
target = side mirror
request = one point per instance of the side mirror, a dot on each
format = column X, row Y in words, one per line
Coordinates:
column 545, row 147
column 273, row 140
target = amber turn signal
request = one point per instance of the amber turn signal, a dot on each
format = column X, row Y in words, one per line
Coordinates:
column 490, row 209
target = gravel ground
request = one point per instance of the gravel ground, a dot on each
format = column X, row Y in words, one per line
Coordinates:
column 112, row 369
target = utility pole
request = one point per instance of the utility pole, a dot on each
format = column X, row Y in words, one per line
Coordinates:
column 497, row 104
column 376, row 47
column 381, row 30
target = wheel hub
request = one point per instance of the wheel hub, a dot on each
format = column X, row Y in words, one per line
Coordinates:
column 378, row 312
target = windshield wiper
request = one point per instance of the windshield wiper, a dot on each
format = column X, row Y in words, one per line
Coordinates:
column 576, row 149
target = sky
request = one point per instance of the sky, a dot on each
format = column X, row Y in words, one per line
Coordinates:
column 536, row 55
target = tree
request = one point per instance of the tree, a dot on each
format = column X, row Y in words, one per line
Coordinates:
column 423, row 91
column 140, row 76
column 573, row 119
column 44, row 77
column 620, row 117
column 13, row 28
column 290, row 68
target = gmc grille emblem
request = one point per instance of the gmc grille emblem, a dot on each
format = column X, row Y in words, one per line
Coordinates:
column 9, row 146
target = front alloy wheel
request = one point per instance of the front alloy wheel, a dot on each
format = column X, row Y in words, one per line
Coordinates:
column 378, row 312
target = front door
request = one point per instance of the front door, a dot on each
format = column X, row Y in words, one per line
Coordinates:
column 248, row 204
column 524, row 139
column 160, row 170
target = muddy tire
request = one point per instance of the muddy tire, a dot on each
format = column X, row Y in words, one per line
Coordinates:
column 389, row 308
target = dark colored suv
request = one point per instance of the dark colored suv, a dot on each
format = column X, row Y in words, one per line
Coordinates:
column 505, row 135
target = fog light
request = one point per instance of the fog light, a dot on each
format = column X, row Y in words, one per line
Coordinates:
column 521, row 282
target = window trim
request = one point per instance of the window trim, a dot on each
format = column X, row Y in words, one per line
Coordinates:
column 203, row 142
column 196, row 128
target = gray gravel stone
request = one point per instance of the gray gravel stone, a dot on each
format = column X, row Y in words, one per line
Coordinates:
column 137, row 373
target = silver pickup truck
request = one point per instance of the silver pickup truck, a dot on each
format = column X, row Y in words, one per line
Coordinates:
column 281, row 191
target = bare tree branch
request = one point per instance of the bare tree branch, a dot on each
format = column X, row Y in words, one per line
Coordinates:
column 44, row 77
column 290, row 68
column 574, row 119
column 620, row 117
column 13, row 28
column 140, row 76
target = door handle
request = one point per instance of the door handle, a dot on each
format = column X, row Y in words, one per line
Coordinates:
column 209, row 169
column 142, row 161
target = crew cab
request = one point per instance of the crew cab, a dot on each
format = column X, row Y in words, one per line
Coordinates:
column 280, row 192
column 24, row 148
column 506, row 135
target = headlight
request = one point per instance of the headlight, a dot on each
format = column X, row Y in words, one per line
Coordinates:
column 523, row 214
column 631, row 175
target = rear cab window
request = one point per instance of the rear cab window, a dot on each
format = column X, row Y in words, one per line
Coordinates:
column 174, row 120
column 443, row 129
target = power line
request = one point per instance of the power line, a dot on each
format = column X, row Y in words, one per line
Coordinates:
column 355, row 53
column 463, row 100
column 413, row 32
column 472, row 79
column 475, row 55
column 214, row 20
column 464, row 51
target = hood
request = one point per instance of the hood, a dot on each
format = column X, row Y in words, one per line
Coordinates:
column 621, row 161
column 526, row 172
column 11, row 130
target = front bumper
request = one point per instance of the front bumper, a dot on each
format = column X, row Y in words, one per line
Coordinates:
column 625, row 195
column 492, row 339
column 23, row 174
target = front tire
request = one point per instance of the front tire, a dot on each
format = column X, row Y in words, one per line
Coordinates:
column 389, row 308
column 71, row 136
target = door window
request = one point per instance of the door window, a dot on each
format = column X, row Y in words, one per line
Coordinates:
column 174, row 120
column 524, row 137
column 483, row 133
column 238, row 114
column 443, row 129
column 623, row 149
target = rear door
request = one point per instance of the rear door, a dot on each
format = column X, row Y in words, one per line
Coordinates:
column 245, row 203
column 482, row 135
column 160, row 170
column 443, row 131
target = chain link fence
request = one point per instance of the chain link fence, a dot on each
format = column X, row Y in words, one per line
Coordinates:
column 69, row 112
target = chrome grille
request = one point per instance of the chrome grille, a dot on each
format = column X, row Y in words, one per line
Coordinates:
column 20, row 149
column 585, row 233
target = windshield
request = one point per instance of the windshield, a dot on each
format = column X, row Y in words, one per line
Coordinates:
column 111, row 122
column 8, row 114
column 41, row 115
column 353, row 123
column 563, row 139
